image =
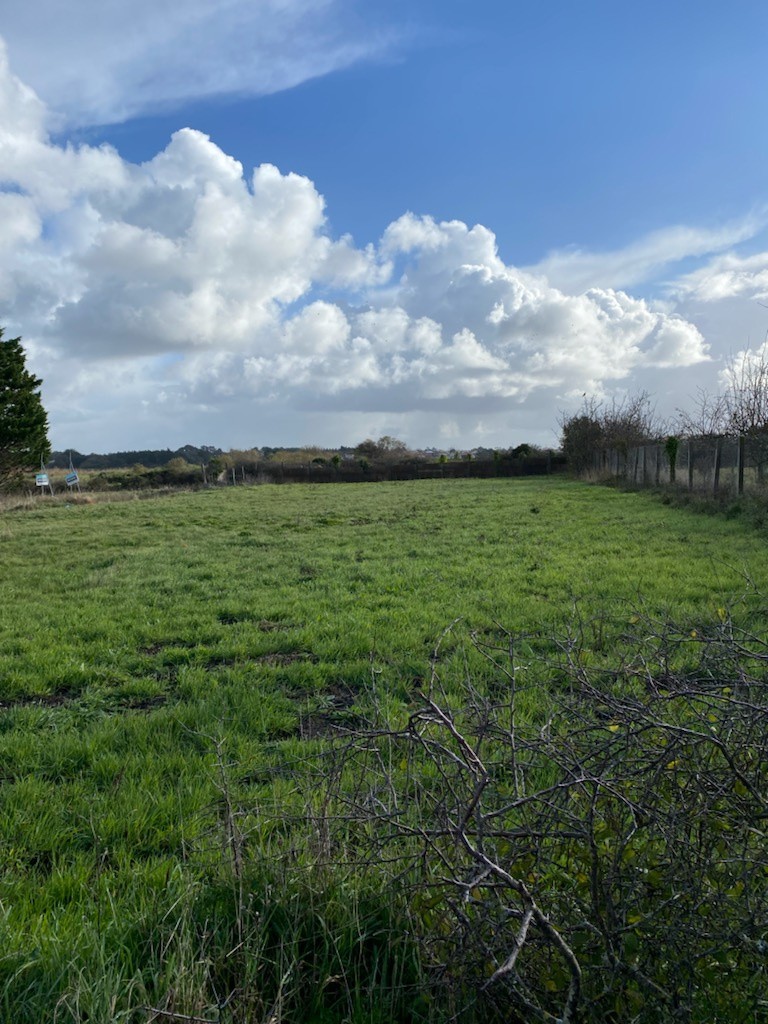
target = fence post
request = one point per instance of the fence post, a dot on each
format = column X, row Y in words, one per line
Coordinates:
column 690, row 464
column 718, row 460
column 740, row 466
column 657, row 465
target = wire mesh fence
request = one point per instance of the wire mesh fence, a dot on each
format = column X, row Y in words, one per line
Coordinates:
column 717, row 465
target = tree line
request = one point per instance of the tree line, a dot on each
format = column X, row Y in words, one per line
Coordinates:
column 25, row 448
column 739, row 409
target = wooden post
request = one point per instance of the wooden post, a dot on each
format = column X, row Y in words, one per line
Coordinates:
column 690, row 464
column 740, row 466
column 657, row 466
column 718, row 460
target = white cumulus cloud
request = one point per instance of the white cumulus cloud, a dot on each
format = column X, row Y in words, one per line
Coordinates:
column 188, row 298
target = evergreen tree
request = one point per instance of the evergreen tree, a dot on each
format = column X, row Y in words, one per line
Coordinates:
column 23, row 420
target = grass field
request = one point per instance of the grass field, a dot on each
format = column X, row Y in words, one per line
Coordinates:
column 161, row 661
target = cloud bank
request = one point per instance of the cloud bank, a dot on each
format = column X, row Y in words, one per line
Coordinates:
column 187, row 299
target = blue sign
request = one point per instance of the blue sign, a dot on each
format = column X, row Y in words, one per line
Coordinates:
column 42, row 480
column 71, row 478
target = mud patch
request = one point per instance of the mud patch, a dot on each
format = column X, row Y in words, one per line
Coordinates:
column 43, row 700
column 279, row 659
column 143, row 703
column 270, row 626
column 165, row 645
column 232, row 618
column 334, row 716
column 218, row 661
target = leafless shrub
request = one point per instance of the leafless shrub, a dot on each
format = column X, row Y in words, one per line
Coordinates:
column 620, row 424
column 708, row 417
column 745, row 397
column 598, row 856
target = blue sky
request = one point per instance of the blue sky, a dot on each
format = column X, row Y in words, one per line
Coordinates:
column 552, row 123
column 477, row 213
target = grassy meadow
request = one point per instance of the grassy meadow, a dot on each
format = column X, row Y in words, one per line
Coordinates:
column 163, row 662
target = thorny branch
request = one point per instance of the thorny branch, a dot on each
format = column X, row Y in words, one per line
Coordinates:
column 601, row 856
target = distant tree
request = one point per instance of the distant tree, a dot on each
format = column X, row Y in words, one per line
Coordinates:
column 745, row 396
column 197, row 455
column 178, row 465
column 302, row 456
column 392, row 447
column 61, row 460
column 582, row 436
column 23, row 420
column 745, row 403
column 367, row 449
column 629, row 422
column 739, row 410
column 708, row 418
column 386, row 449
column 597, row 426
column 219, row 464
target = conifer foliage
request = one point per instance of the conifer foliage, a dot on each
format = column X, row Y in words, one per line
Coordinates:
column 23, row 420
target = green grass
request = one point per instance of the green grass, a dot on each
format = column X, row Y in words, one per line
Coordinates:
column 134, row 636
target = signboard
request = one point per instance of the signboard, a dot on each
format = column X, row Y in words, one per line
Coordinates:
column 41, row 479
column 71, row 478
